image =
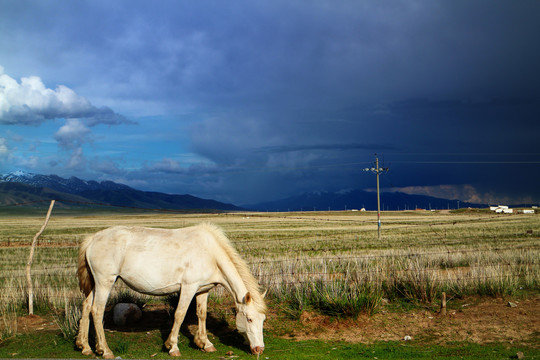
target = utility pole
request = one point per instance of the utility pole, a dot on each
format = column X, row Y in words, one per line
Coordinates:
column 377, row 170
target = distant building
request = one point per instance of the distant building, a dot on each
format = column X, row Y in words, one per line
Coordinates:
column 501, row 209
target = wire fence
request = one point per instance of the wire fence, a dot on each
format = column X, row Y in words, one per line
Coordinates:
column 314, row 253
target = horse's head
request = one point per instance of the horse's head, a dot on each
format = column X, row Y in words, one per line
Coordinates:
column 249, row 322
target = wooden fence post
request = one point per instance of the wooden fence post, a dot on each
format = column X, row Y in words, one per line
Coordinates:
column 29, row 263
column 443, row 304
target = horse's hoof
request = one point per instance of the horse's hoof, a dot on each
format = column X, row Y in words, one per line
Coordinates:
column 88, row 352
column 108, row 356
column 210, row 349
column 175, row 353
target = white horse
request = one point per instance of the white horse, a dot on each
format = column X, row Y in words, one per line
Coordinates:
column 191, row 261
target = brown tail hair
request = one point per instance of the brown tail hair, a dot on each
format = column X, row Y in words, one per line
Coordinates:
column 86, row 280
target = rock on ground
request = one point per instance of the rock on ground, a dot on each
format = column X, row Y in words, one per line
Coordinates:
column 126, row 314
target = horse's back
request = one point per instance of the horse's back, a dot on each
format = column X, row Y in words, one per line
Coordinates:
column 152, row 260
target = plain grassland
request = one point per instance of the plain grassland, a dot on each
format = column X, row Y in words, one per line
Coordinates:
column 329, row 261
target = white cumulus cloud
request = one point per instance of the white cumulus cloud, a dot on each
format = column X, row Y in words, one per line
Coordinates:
column 30, row 102
column 71, row 137
column 73, row 134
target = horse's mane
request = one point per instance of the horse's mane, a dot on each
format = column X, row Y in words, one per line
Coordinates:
column 243, row 269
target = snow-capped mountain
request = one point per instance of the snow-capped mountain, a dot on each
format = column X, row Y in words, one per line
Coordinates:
column 20, row 187
column 73, row 185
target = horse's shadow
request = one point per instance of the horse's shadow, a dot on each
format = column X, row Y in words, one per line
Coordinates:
column 161, row 317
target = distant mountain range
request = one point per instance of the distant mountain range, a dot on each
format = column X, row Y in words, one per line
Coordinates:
column 21, row 187
column 358, row 199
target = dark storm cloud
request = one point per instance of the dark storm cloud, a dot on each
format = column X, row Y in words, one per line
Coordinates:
column 324, row 147
column 290, row 53
column 280, row 89
column 261, row 55
column 496, row 125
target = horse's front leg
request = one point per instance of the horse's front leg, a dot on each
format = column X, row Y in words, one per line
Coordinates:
column 186, row 294
column 201, row 337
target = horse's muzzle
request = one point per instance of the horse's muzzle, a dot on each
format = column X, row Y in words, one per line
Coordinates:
column 257, row 350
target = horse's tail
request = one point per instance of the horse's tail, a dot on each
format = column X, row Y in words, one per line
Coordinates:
column 86, row 280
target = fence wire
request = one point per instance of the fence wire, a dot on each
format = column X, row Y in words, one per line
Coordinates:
column 12, row 277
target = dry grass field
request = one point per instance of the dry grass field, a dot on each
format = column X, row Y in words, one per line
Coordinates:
column 316, row 263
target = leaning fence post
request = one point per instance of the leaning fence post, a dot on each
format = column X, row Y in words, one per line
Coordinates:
column 443, row 304
column 29, row 263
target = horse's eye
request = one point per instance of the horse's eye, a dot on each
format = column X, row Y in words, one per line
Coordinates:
column 249, row 320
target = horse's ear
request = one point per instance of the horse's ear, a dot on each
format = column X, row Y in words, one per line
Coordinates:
column 247, row 299
column 264, row 293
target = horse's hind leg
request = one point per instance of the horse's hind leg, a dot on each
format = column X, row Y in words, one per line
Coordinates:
column 102, row 291
column 201, row 337
column 186, row 294
column 84, row 324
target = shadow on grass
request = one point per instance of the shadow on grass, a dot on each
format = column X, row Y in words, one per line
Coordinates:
column 161, row 318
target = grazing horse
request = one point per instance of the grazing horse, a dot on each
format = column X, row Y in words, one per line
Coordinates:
column 191, row 261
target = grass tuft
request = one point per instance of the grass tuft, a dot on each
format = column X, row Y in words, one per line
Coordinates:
column 68, row 320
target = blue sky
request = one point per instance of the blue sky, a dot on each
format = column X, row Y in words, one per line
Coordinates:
column 247, row 101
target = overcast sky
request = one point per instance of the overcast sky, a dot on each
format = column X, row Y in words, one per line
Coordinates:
column 245, row 101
